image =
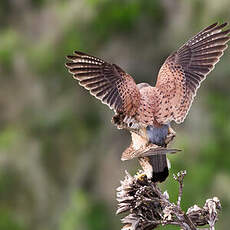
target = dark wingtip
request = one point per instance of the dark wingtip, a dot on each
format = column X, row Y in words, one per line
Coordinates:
column 216, row 26
column 226, row 32
column 68, row 64
column 70, row 57
column 221, row 26
column 211, row 26
column 79, row 53
column 224, row 24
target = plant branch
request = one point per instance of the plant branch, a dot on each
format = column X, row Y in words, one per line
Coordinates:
column 148, row 207
column 180, row 178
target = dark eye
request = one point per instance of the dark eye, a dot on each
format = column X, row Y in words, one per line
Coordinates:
column 130, row 124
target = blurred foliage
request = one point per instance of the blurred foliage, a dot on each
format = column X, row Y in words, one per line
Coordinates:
column 85, row 213
column 59, row 154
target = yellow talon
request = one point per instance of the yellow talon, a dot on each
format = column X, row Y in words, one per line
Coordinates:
column 140, row 176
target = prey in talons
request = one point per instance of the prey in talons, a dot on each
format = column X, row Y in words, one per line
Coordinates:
column 152, row 157
column 146, row 111
column 149, row 145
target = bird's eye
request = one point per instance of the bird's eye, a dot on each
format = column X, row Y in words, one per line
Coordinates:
column 130, row 124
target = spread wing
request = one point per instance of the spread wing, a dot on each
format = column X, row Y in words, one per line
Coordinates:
column 107, row 82
column 184, row 70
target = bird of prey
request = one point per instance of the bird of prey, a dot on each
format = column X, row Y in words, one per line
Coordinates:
column 145, row 110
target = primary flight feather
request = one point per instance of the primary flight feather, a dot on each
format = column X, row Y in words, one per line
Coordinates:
column 152, row 108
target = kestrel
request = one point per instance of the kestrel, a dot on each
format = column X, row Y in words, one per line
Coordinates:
column 145, row 110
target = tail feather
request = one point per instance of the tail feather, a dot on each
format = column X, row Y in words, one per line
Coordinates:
column 159, row 168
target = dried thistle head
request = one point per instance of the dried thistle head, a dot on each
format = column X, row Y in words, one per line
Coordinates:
column 206, row 215
column 148, row 207
column 136, row 195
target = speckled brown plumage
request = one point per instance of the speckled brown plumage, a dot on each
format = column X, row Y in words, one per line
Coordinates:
column 177, row 82
column 146, row 110
column 107, row 82
column 184, row 70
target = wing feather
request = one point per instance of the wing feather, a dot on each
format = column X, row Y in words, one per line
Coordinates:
column 107, row 82
column 185, row 69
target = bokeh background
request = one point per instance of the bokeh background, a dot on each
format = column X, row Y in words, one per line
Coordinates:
column 59, row 153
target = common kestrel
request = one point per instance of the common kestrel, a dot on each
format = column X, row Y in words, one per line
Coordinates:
column 146, row 111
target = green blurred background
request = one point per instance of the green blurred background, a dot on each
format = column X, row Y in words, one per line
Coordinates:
column 59, row 153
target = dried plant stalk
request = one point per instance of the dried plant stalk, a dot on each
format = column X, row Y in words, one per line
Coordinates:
column 148, row 207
